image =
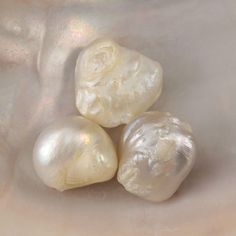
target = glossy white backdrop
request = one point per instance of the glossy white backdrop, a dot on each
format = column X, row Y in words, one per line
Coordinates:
column 195, row 43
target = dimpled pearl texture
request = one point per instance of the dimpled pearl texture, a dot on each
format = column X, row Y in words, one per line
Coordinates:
column 156, row 153
column 115, row 84
column 74, row 152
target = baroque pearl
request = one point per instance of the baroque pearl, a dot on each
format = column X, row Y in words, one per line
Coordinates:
column 115, row 84
column 156, row 153
column 74, row 152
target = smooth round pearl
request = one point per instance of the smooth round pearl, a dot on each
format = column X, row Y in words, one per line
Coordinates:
column 115, row 84
column 156, row 153
column 74, row 152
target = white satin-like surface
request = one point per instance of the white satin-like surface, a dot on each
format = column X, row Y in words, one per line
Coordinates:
column 195, row 43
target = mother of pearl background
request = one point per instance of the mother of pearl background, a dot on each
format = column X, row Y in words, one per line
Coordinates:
column 195, row 43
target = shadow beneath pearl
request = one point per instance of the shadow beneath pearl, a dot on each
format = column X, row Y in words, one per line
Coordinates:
column 27, row 186
column 115, row 134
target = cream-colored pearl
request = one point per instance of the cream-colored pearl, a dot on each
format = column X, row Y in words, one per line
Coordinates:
column 156, row 153
column 115, row 84
column 74, row 152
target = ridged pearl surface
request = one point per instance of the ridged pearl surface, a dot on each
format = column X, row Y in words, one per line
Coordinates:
column 115, row 84
column 156, row 153
column 74, row 152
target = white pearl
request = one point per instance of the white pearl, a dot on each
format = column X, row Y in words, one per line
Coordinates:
column 115, row 84
column 74, row 152
column 156, row 153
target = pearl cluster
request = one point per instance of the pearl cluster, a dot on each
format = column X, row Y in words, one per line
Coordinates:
column 113, row 86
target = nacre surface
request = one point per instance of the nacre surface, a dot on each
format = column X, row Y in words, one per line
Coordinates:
column 74, row 152
column 114, row 84
column 156, row 153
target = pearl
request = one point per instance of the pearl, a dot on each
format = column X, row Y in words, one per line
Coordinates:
column 74, row 152
column 156, row 153
column 115, row 84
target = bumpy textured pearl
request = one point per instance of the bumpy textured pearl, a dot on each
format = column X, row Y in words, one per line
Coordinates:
column 74, row 152
column 115, row 84
column 156, row 153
